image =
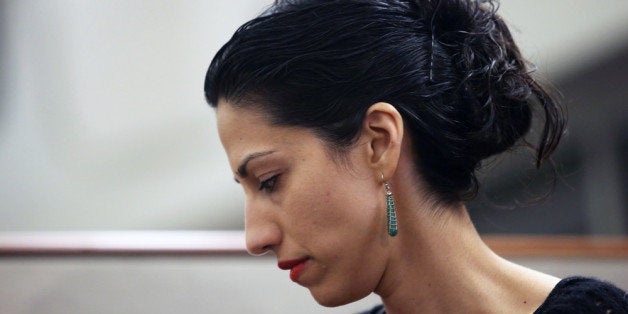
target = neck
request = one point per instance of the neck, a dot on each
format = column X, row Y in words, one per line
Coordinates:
column 439, row 264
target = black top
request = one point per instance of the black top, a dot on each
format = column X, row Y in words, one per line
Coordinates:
column 584, row 295
column 574, row 295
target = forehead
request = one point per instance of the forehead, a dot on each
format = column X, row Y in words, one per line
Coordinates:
column 244, row 131
column 238, row 126
column 237, row 122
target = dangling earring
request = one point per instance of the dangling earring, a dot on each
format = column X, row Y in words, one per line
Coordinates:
column 390, row 210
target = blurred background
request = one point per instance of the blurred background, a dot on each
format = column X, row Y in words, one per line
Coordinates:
column 103, row 123
column 103, row 126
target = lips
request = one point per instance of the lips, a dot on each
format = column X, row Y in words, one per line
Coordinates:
column 296, row 267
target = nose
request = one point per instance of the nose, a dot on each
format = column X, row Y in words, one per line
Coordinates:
column 262, row 231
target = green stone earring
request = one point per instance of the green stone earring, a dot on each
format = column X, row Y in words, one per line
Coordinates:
column 390, row 210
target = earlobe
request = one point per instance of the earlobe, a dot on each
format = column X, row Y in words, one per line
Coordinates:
column 383, row 129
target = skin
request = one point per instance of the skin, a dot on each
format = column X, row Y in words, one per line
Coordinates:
column 303, row 201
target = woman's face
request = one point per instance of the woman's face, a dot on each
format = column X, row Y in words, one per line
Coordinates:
column 323, row 218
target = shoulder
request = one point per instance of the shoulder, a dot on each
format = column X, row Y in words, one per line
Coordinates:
column 585, row 295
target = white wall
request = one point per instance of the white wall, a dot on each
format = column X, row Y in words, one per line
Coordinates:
column 103, row 122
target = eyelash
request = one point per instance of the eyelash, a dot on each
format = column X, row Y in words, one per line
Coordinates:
column 269, row 184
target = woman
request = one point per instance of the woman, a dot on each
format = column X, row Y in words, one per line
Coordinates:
column 355, row 128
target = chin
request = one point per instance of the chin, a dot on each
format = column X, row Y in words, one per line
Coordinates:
column 333, row 299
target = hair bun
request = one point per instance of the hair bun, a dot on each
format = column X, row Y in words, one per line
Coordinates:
column 492, row 75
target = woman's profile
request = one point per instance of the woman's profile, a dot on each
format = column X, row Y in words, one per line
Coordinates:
column 355, row 128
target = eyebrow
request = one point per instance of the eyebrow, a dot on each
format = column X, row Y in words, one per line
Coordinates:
column 242, row 171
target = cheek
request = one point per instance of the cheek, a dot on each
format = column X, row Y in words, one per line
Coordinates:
column 312, row 208
column 332, row 207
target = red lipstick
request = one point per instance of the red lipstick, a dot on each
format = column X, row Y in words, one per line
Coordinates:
column 296, row 267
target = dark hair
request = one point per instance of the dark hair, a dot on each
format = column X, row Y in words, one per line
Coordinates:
column 450, row 67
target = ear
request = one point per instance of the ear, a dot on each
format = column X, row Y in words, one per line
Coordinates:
column 382, row 131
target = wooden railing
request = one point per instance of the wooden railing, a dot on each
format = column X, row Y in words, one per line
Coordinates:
column 122, row 243
column 88, row 243
column 559, row 246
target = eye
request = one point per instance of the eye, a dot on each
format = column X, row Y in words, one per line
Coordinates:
column 269, row 184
